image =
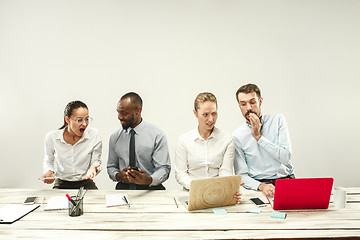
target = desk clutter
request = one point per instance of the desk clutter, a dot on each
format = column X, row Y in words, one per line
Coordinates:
column 108, row 214
column 75, row 206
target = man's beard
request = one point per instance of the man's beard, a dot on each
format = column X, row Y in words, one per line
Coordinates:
column 128, row 123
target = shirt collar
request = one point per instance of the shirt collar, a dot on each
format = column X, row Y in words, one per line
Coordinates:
column 86, row 134
column 60, row 135
column 196, row 135
column 138, row 129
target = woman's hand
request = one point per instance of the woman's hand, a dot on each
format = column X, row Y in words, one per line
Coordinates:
column 48, row 174
column 92, row 172
column 237, row 196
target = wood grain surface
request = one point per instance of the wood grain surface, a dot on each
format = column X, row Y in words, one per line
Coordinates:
column 213, row 192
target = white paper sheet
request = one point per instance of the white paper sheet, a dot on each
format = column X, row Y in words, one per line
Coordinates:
column 116, row 200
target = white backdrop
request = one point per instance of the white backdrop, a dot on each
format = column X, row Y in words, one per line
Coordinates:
column 304, row 55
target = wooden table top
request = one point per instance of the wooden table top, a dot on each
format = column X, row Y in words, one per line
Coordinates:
column 154, row 215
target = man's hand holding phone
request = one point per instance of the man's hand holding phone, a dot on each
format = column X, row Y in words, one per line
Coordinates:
column 138, row 176
column 122, row 176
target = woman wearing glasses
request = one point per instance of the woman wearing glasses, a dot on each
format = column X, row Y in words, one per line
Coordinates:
column 73, row 153
column 205, row 151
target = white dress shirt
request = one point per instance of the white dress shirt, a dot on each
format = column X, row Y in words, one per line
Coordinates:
column 268, row 158
column 196, row 158
column 71, row 162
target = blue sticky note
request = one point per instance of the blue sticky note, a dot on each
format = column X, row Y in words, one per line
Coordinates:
column 256, row 211
column 280, row 215
column 219, row 211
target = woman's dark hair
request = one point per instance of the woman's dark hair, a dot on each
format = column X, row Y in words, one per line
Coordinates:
column 70, row 107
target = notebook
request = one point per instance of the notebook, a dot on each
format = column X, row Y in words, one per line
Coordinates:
column 13, row 212
column 57, row 203
column 212, row 192
column 302, row 193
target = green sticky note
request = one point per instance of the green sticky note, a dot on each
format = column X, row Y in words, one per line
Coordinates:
column 219, row 211
column 256, row 211
column 280, row 215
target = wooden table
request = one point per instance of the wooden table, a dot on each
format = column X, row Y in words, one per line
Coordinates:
column 154, row 215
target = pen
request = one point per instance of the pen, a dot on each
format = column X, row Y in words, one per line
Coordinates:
column 70, row 199
column 125, row 199
column 176, row 203
column 79, row 193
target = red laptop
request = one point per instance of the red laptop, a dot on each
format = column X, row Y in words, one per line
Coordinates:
column 302, row 193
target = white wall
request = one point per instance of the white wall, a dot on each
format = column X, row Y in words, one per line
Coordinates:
column 304, row 55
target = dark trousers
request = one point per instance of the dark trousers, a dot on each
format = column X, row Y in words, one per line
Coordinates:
column 273, row 181
column 125, row 186
column 62, row 184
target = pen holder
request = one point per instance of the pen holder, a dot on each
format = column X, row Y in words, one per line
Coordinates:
column 77, row 209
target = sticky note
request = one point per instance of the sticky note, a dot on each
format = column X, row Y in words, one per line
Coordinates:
column 280, row 215
column 219, row 211
column 256, row 211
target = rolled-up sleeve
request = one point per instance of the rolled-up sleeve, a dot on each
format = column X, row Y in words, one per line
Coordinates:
column 160, row 160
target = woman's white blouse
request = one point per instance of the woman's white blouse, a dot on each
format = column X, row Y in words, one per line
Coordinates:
column 71, row 162
column 196, row 158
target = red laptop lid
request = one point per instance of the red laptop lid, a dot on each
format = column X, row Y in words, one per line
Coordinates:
column 302, row 193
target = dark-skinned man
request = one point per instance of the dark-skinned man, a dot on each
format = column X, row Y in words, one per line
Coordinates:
column 138, row 151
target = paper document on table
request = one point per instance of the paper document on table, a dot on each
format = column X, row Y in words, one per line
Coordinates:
column 11, row 213
column 57, row 203
column 117, row 200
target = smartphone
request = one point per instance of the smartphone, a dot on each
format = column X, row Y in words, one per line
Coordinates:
column 258, row 202
column 133, row 168
column 30, row 200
